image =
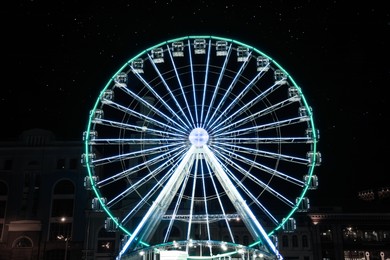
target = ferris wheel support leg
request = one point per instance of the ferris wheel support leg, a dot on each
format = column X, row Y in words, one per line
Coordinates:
column 160, row 205
column 242, row 208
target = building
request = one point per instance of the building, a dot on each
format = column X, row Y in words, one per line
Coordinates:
column 42, row 198
column 46, row 213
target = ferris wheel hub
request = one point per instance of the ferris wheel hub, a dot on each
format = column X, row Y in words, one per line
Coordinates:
column 199, row 137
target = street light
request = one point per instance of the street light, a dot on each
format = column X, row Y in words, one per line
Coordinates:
column 66, row 239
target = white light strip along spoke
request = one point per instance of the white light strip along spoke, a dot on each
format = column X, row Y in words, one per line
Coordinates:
column 169, row 90
column 235, row 101
column 255, row 180
column 258, row 128
column 131, row 155
column 218, row 128
column 220, row 203
column 134, row 169
column 142, row 181
column 205, row 203
column 181, row 86
column 259, row 166
column 148, row 141
column 253, row 225
column 189, row 227
column 136, row 128
column 261, row 140
column 193, row 85
column 142, row 116
column 177, row 207
column 257, row 152
column 153, row 108
column 205, row 84
column 227, row 93
column 217, row 86
column 158, row 185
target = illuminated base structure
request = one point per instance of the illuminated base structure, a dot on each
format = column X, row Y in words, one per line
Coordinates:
column 180, row 250
column 191, row 134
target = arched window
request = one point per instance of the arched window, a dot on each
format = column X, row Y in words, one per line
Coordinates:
column 64, row 187
column 22, row 242
column 62, row 207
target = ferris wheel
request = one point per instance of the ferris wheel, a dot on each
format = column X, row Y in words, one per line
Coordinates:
column 198, row 137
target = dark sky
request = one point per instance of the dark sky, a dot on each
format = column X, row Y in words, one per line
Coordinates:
column 58, row 55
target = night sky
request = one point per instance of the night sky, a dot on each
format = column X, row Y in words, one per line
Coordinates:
column 58, row 55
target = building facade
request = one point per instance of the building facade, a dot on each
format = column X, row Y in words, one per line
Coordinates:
column 42, row 198
column 46, row 213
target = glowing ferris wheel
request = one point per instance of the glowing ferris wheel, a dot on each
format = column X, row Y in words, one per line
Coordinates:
column 191, row 135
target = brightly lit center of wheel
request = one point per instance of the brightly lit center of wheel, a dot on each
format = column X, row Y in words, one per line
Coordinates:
column 199, row 137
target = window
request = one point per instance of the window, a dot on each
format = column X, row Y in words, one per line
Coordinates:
column 285, row 241
column 305, row 242
column 295, row 241
column 62, row 208
column 8, row 165
column 60, row 229
column 3, row 189
column 73, row 163
column 106, row 241
column 61, row 164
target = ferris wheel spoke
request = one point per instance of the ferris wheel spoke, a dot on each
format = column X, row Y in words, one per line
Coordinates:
column 135, row 186
column 250, row 194
column 261, row 140
column 259, row 166
column 262, row 153
column 218, row 84
column 173, row 97
column 258, row 128
column 181, row 87
column 230, row 123
column 264, row 186
column 153, row 108
column 226, row 94
column 236, row 101
column 257, row 181
column 205, row 201
column 240, row 204
column 177, row 207
column 220, row 203
column 144, row 141
column 192, row 202
column 133, row 170
column 205, row 85
column 159, row 206
column 193, row 85
column 157, row 186
column 142, row 117
column 136, row 128
column 132, row 155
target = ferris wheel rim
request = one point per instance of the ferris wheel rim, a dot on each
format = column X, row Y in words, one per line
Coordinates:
column 314, row 137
